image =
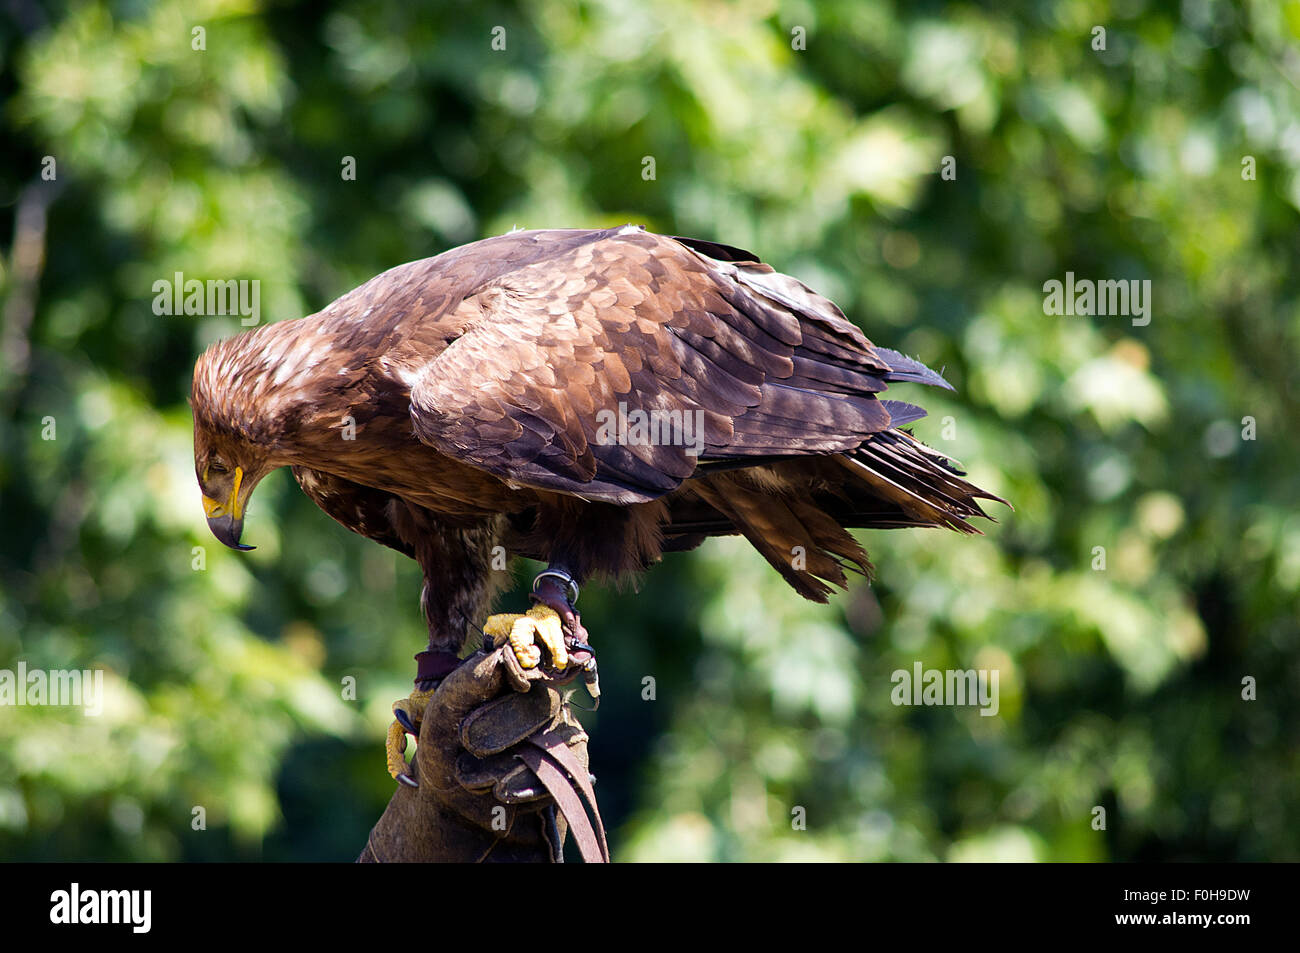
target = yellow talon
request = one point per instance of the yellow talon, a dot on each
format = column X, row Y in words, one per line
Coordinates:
column 524, row 632
column 413, row 707
column 396, row 747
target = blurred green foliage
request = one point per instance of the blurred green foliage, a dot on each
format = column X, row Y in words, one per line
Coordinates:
column 1120, row 687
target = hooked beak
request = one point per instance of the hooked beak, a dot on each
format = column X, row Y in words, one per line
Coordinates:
column 227, row 529
column 226, row 520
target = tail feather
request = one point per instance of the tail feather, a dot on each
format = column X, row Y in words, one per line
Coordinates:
column 903, row 368
column 797, row 512
column 921, row 481
column 802, row 543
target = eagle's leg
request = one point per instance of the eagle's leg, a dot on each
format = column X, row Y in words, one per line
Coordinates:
column 555, row 624
column 407, row 715
column 558, row 591
column 434, row 666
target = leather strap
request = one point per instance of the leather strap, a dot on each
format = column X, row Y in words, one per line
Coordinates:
column 562, row 775
column 433, row 667
column 558, row 748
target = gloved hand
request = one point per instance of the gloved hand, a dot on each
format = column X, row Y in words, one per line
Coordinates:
column 495, row 741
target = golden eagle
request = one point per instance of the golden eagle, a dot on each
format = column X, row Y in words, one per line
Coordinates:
column 591, row 399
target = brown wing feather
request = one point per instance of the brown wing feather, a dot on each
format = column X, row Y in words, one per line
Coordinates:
column 641, row 322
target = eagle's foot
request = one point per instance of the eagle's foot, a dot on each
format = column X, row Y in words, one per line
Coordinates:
column 557, row 590
column 407, row 715
column 540, row 624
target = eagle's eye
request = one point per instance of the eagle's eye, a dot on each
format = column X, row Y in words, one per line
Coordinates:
column 216, row 466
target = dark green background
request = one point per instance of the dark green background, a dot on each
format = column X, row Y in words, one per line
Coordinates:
column 1120, row 688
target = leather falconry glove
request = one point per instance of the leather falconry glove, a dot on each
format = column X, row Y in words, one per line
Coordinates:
column 501, row 771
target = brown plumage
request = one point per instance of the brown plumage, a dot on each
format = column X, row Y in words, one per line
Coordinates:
column 465, row 401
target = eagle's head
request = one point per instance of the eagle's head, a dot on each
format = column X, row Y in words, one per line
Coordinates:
column 226, row 478
column 228, row 467
column 229, row 459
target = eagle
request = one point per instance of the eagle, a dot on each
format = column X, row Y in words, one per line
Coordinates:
column 588, row 398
